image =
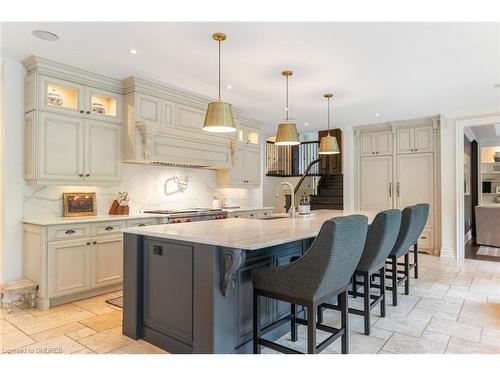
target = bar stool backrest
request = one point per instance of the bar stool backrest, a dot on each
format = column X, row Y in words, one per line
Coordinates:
column 381, row 237
column 332, row 258
column 424, row 216
column 409, row 230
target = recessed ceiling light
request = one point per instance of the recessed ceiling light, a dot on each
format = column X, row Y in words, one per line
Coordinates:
column 306, row 124
column 133, row 51
column 377, row 114
column 45, row 35
column 229, row 87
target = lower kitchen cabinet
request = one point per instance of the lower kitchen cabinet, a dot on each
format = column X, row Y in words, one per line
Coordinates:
column 69, row 266
column 77, row 260
column 107, row 261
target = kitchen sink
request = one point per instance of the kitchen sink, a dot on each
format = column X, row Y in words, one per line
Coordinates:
column 274, row 217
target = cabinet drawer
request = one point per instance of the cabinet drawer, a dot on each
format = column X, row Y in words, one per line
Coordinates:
column 142, row 222
column 68, row 232
column 107, row 227
column 426, row 240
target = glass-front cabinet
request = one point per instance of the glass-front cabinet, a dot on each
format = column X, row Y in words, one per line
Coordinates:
column 248, row 136
column 62, row 96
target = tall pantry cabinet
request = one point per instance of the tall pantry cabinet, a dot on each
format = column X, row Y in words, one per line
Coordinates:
column 398, row 167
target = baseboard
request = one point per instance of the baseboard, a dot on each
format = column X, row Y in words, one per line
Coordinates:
column 447, row 252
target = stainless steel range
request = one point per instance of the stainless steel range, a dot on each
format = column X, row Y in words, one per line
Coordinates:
column 189, row 215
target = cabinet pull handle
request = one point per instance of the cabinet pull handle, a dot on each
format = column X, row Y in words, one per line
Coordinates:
column 109, row 228
column 141, row 225
column 397, row 188
column 88, row 243
column 390, row 189
column 70, row 231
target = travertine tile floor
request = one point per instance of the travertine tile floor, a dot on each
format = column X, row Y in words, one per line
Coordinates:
column 452, row 308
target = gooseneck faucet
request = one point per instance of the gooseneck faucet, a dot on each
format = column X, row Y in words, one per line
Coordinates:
column 293, row 196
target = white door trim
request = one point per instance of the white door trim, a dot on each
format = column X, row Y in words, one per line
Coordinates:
column 459, row 174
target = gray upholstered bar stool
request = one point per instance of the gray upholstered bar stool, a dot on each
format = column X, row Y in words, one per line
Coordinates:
column 380, row 240
column 322, row 273
column 408, row 234
column 423, row 220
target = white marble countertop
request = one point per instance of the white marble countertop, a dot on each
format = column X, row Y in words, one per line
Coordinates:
column 243, row 209
column 247, row 234
column 86, row 219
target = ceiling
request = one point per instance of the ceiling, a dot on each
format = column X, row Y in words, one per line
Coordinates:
column 486, row 133
column 397, row 70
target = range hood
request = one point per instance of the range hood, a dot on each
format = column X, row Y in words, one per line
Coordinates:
column 165, row 146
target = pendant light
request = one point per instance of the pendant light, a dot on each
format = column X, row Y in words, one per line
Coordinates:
column 219, row 117
column 328, row 145
column 287, row 131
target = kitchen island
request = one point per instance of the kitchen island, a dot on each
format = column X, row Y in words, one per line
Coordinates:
column 188, row 287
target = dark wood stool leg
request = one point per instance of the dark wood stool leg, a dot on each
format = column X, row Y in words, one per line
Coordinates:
column 367, row 278
column 320, row 314
column 382, row 292
column 394, row 281
column 415, row 260
column 293, row 322
column 256, row 323
column 311, row 329
column 354, row 285
column 407, row 274
column 344, row 321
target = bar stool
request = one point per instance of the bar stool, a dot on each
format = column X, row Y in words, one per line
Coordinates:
column 380, row 240
column 408, row 234
column 425, row 215
column 322, row 273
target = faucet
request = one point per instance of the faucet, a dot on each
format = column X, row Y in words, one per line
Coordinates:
column 293, row 196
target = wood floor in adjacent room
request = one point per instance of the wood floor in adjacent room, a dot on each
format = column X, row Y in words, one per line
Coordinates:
column 452, row 308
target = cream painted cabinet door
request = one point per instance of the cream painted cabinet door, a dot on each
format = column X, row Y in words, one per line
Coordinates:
column 415, row 179
column 107, row 261
column 60, row 148
column 367, row 144
column 237, row 171
column 148, row 108
column 405, row 140
column 424, row 140
column 103, row 105
column 383, row 143
column 68, row 267
column 103, row 152
column 252, row 165
column 57, row 95
column 376, row 183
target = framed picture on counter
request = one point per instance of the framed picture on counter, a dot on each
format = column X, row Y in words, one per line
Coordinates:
column 79, row 204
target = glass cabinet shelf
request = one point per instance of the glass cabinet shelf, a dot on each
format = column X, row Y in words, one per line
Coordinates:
column 60, row 96
column 103, row 105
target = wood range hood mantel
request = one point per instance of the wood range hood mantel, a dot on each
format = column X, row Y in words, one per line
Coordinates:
column 175, row 147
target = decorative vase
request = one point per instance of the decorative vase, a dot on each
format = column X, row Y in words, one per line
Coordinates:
column 304, row 209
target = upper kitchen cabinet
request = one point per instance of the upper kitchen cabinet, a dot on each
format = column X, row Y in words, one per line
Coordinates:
column 248, row 136
column 376, row 144
column 72, row 127
column 412, row 140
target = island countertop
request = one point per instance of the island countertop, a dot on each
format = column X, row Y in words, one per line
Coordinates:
column 246, row 234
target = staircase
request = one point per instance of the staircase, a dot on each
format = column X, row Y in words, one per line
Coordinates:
column 330, row 193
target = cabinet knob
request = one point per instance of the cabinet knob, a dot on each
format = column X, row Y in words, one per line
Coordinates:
column 88, row 243
column 87, row 175
column 81, row 111
column 94, row 242
column 80, row 175
column 416, row 149
column 88, row 112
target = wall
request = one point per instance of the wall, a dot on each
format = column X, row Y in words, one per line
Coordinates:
column 149, row 187
column 12, row 168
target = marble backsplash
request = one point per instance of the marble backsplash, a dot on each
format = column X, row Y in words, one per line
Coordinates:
column 149, row 187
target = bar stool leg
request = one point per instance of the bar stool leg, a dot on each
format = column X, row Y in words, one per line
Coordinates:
column 407, row 274
column 367, row 278
column 256, row 323
column 415, row 260
column 293, row 322
column 320, row 314
column 382, row 292
column 344, row 321
column 354, row 286
column 394, row 281
column 311, row 329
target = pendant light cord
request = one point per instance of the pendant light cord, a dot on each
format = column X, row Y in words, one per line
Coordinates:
column 287, row 108
column 328, row 115
column 219, row 70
